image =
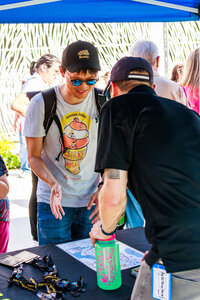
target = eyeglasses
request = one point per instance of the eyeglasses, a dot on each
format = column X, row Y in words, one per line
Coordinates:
column 78, row 82
column 56, row 71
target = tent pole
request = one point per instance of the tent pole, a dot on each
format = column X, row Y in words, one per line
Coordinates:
column 166, row 49
column 25, row 3
column 169, row 5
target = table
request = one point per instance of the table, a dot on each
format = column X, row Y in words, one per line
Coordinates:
column 71, row 269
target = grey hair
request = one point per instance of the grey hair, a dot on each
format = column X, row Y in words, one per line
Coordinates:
column 145, row 49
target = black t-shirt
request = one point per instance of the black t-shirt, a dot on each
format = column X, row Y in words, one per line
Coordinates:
column 157, row 141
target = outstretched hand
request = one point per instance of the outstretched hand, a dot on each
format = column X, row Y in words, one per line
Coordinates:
column 95, row 213
column 55, row 201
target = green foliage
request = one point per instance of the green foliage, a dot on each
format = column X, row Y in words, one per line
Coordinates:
column 11, row 160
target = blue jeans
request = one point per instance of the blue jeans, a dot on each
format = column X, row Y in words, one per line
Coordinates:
column 23, row 154
column 75, row 224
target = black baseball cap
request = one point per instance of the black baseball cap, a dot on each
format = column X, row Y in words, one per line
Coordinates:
column 80, row 55
column 121, row 70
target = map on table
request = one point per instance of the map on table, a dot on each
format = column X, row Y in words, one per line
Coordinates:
column 83, row 251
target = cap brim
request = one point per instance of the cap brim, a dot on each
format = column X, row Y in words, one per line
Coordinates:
column 83, row 65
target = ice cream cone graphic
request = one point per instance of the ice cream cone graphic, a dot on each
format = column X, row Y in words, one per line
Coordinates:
column 76, row 138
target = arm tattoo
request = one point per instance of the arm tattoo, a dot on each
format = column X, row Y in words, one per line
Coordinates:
column 113, row 174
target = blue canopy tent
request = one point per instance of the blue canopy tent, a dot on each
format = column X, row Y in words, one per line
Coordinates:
column 80, row 11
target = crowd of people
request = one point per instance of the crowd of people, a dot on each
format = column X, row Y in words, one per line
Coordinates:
column 82, row 157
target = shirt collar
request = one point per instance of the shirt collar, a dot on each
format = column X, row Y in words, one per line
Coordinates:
column 142, row 88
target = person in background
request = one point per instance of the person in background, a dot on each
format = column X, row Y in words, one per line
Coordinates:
column 17, row 125
column 24, row 165
column 177, row 73
column 191, row 79
column 103, row 81
column 4, row 207
column 163, row 87
column 68, row 185
column 44, row 73
column 152, row 145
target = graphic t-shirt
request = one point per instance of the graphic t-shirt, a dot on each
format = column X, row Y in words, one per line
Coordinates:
column 4, row 203
column 157, row 141
column 74, row 170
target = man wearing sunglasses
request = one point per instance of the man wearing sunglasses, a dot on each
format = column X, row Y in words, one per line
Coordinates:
column 68, row 185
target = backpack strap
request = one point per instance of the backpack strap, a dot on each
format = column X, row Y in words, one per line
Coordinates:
column 57, row 120
column 50, row 105
column 100, row 99
column 30, row 95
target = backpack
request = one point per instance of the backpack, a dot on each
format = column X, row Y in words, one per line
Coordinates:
column 50, row 106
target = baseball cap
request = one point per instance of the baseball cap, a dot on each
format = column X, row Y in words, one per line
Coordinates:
column 80, row 55
column 121, row 70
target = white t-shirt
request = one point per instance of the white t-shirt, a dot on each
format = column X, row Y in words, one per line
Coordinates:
column 169, row 89
column 34, row 83
column 75, row 169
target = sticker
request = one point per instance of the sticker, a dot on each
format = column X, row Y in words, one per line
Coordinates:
column 161, row 283
column 135, row 271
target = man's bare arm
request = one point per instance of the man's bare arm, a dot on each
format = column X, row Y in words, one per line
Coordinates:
column 112, row 198
column 20, row 104
column 4, row 186
column 34, row 147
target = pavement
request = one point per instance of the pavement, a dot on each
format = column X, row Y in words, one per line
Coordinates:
column 20, row 190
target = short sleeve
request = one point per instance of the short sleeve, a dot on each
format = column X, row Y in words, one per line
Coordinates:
column 30, row 85
column 3, row 169
column 115, row 140
column 34, row 83
column 33, row 125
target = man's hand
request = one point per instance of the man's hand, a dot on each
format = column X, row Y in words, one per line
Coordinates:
column 55, row 201
column 94, row 199
column 96, row 233
column 145, row 255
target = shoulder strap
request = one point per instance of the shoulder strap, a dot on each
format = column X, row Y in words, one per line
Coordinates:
column 50, row 105
column 30, row 95
column 100, row 98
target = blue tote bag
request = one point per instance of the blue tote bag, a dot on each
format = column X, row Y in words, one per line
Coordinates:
column 134, row 215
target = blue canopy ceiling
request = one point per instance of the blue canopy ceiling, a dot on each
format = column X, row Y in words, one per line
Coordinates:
column 83, row 11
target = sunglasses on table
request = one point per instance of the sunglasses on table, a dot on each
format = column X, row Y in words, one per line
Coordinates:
column 78, row 82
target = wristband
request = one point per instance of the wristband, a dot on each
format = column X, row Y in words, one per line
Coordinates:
column 100, row 183
column 106, row 233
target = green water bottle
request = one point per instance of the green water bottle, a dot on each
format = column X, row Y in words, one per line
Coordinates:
column 108, row 264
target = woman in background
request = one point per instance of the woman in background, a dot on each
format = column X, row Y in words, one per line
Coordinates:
column 44, row 73
column 191, row 79
column 177, row 73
